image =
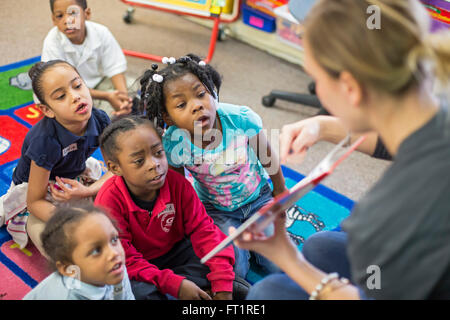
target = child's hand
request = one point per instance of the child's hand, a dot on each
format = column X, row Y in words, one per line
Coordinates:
column 120, row 102
column 190, row 291
column 223, row 295
column 62, row 193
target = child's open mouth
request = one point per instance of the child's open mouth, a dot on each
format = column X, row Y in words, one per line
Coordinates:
column 157, row 179
column 82, row 108
column 117, row 269
column 202, row 121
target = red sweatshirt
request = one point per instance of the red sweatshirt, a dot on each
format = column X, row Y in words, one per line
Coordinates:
column 178, row 212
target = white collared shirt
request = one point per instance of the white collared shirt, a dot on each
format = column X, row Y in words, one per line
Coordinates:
column 99, row 56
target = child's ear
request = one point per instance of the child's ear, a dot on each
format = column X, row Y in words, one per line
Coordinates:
column 87, row 13
column 114, row 167
column 167, row 119
column 68, row 269
column 46, row 110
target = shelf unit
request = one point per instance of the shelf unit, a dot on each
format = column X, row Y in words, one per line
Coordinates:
column 262, row 40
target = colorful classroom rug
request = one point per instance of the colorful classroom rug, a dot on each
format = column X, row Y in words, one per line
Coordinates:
column 21, row 270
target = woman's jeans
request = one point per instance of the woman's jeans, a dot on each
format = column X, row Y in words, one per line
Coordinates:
column 326, row 250
column 226, row 219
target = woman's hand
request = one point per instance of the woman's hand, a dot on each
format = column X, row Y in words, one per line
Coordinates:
column 190, row 291
column 277, row 247
column 76, row 190
column 296, row 138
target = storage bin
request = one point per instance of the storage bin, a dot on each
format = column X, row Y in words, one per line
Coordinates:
column 258, row 19
column 266, row 6
column 289, row 30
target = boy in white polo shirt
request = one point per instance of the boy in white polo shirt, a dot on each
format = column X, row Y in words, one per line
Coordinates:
column 92, row 49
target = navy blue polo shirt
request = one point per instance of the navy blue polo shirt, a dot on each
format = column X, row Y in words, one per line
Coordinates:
column 58, row 150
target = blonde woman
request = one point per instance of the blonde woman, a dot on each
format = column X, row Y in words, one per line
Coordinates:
column 396, row 242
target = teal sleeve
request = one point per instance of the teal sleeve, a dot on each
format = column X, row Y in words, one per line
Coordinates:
column 177, row 145
column 251, row 122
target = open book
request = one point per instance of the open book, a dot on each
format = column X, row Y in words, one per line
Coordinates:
column 267, row 214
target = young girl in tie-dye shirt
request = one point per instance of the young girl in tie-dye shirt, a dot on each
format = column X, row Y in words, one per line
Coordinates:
column 223, row 146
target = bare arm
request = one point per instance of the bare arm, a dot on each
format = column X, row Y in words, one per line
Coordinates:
column 37, row 190
column 120, row 83
column 270, row 161
column 298, row 137
column 334, row 131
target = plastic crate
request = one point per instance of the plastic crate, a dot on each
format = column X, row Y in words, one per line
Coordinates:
column 266, row 6
column 258, row 19
column 289, row 30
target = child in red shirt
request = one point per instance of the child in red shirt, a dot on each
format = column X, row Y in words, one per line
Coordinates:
column 164, row 227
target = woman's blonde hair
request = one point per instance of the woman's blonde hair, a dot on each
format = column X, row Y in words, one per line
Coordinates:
column 393, row 58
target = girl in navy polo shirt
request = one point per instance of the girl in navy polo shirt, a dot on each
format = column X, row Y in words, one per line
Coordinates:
column 162, row 223
column 55, row 165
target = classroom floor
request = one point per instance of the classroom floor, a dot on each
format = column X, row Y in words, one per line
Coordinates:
column 248, row 73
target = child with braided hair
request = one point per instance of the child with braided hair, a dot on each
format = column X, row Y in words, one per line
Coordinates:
column 83, row 245
column 222, row 145
column 164, row 227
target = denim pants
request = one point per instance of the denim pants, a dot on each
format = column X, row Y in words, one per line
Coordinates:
column 326, row 250
column 226, row 219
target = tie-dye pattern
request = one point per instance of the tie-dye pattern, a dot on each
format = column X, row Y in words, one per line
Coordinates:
column 229, row 176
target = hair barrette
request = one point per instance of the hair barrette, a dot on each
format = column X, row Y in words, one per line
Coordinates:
column 167, row 60
column 158, row 78
column 185, row 59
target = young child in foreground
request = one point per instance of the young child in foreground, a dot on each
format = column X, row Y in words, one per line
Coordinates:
column 84, row 247
column 163, row 225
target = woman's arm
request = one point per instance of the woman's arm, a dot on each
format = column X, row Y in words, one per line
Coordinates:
column 279, row 249
column 37, row 190
column 298, row 137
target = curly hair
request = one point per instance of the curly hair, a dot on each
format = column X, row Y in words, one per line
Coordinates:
column 152, row 92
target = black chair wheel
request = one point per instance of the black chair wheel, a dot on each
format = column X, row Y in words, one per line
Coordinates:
column 128, row 16
column 312, row 88
column 268, row 101
column 221, row 35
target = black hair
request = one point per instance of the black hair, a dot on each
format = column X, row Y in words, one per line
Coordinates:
column 152, row 92
column 108, row 138
column 37, row 71
column 81, row 3
column 57, row 237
